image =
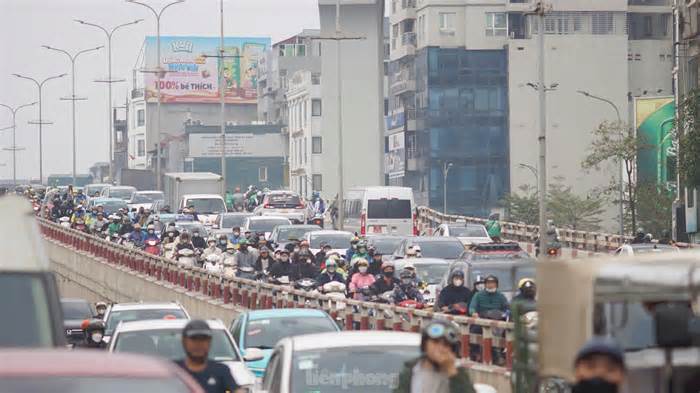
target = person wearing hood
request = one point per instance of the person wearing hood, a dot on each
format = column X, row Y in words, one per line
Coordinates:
column 235, row 235
column 527, row 291
column 165, row 236
column 323, row 254
column 222, row 242
column 360, row 253
column 599, row 367
column 126, row 227
column 455, row 292
column 244, row 258
column 211, row 249
column 282, row 268
column 264, row 261
column 306, row 269
column 197, row 239
column 361, row 280
column 303, row 252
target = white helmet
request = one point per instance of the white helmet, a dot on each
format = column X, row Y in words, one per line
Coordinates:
column 213, row 258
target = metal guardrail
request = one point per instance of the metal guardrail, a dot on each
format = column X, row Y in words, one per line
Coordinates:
column 254, row 295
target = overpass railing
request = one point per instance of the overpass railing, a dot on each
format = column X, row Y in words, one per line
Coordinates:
column 249, row 294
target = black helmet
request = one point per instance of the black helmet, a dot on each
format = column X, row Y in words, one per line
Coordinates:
column 491, row 278
column 457, row 273
column 441, row 329
column 405, row 273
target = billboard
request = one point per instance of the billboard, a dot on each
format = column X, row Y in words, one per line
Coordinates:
column 654, row 120
column 237, row 145
column 191, row 76
column 395, row 158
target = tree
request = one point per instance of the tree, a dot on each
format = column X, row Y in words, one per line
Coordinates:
column 570, row 210
column 616, row 141
column 655, row 204
column 688, row 130
column 523, row 207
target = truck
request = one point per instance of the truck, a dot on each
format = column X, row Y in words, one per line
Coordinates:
column 142, row 179
column 178, row 184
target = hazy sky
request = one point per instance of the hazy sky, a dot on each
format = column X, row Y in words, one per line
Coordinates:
column 25, row 25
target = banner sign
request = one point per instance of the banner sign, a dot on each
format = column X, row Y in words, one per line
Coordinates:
column 395, row 159
column 191, row 74
column 654, row 122
column 237, row 145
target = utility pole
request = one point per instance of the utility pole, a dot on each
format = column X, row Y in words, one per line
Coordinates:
column 109, row 81
column 446, row 166
column 14, row 147
column 542, row 93
column 73, row 98
column 41, row 121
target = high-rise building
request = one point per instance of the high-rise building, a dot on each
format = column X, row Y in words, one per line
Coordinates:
column 461, row 91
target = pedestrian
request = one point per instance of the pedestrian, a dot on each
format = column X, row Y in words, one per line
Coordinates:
column 436, row 370
column 212, row 376
column 599, row 367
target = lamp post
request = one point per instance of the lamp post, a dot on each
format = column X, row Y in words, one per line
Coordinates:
column 109, row 81
column 73, row 97
column 159, row 74
column 14, row 147
column 446, row 166
column 621, row 163
column 532, row 169
column 41, row 122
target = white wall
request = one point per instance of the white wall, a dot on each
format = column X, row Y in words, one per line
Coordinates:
column 362, row 79
column 653, row 71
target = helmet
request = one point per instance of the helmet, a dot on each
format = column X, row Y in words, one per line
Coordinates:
column 491, row 278
column 411, row 252
column 441, row 329
column 243, row 242
column 406, row 274
column 304, row 243
column 354, row 240
column 522, row 283
column 151, row 226
column 457, row 273
column 361, row 262
column 211, row 240
column 387, row 264
column 479, row 279
column 330, row 262
column 362, row 244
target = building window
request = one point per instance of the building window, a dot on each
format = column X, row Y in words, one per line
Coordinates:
column 301, row 50
column 316, row 145
column 603, row 23
column 315, row 107
column 317, row 182
column 315, row 78
column 262, row 174
column 140, row 117
column 141, row 148
column 306, row 156
column 120, row 137
column 496, row 24
column 447, row 21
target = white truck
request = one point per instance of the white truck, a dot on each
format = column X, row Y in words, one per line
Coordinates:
column 178, row 184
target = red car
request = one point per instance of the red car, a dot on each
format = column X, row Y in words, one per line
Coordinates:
column 62, row 371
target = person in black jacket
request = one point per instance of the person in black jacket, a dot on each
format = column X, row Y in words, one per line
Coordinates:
column 321, row 255
column 455, row 292
column 197, row 240
column 385, row 281
column 306, row 269
column 282, row 268
column 265, row 260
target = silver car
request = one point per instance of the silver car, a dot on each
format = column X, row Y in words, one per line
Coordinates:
column 468, row 234
column 163, row 338
column 284, row 204
column 128, row 312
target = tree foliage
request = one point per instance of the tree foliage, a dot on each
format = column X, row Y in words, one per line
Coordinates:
column 655, row 204
column 688, row 128
column 523, row 206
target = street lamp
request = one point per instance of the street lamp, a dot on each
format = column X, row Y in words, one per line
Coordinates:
column 532, row 169
column 109, row 81
column 446, row 166
column 159, row 74
column 621, row 170
column 41, row 122
column 14, row 147
column 73, row 97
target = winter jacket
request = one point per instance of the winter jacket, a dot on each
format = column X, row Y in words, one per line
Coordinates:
column 304, row 270
column 452, row 295
column 245, row 259
column 380, row 285
column 484, row 301
column 459, row 383
column 325, row 278
column 359, row 281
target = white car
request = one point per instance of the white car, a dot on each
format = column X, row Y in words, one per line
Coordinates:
column 304, row 363
column 264, row 224
column 645, row 248
column 121, row 192
column 163, row 338
column 284, row 204
column 145, row 199
column 338, row 240
column 468, row 234
column 207, row 206
column 128, row 312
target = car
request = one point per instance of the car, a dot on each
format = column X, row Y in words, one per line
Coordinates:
column 380, row 210
column 338, row 240
column 110, row 205
column 207, row 206
column 262, row 329
column 510, row 251
column 91, row 189
column 191, row 226
column 428, row 270
column 432, row 247
column 308, row 362
column 283, row 234
column 127, row 312
column 75, row 311
column 468, row 234
column 62, row 371
column 163, row 338
column 507, row 272
column 225, row 222
column 145, row 199
column 166, row 218
column 645, row 248
column 263, row 224
column 121, row 192
column 284, row 204
column 384, row 244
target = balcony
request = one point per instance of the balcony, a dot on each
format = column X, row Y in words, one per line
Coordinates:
column 404, row 82
column 137, row 93
column 519, row 5
column 405, row 46
column 402, row 10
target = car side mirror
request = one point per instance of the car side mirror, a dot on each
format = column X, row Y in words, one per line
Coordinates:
column 253, row 355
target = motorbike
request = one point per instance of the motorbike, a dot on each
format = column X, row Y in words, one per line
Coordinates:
column 458, row 309
column 498, row 354
column 410, row 303
column 335, row 290
column 185, row 257
column 247, row 272
column 317, row 220
column 213, row 265
column 152, row 247
column 306, row 284
column 64, row 222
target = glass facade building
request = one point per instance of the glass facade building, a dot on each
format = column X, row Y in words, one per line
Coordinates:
column 461, row 117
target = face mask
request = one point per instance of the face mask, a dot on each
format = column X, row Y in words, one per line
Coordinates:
column 96, row 337
column 594, row 385
column 284, row 258
column 195, row 235
column 308, row 261
column 222, row 242
column 362, row 250
column 151, row 231
column 296, row 249
column 362, row 269
column 236, row 234
column 331, row 269
column 491, row 290
column 406, row 281
column 458, row 283
column 388, row 274
column 479, row 287
column 243, row 248
column 230, row 252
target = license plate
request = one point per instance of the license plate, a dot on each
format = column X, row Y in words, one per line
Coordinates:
column 378, row 228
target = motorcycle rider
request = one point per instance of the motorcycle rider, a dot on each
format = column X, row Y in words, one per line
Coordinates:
column 158, row 223
column 323, row 254
column 413, row 251
column 493, row 227
column 137, row 236
column 78, row 214
column 170, row 234
column 126, row 227
column 264, row 261
column 151, row 233
column 238, row 199
column 387, row 281
column 228, row 199
column 114, row 225
column 319, row 205
column 235, row 236
column 303, row 252
column 329, row 275
column 98, row 224
column 282, row 268
column 361, row 252
column 212, row 264
column 93, row 334
column 599, row 367
column 211, row 249
column 406, row 290
column 223, row 242
column 197, row 240
column 455, row 292
column 353, row 246
column 488, row 299
column 184, row 242
column 244, row 258
column 375, row 264
column 80, row 197
column 100, row 309
column 361, row 280
column 306, row 269
column 527, row 291
column 639, row 237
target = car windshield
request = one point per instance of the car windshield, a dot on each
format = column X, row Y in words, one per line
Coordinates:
column 429, row 273
column 167, row 343
column 283, row 200
column 191, row 226
column 147, row 197
column 82, row 384
column 91, row 190
column 233, row 220
column 207, row 205
column 266, row 224
column 112, row 206
column 265, row 333
column 441, row 249
column 468, row 231
column 386, row 245
column 26, row 320
column 336, row 241
column 389, row 209
column 76, row 310
column 115, row 317
column 507, row 277
column 287, row 233
column 121, row 193
column 337, row 366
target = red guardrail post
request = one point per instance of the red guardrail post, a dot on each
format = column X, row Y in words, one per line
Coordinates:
column 379, row 321
column 364, row 319
column 486, row 345
column 244, row 297
column 215, row 288
column 509, row 349
column 226, row 284
column 464, row 340
column 268, row 299
column 254, row 299
column 397, row 324
column 349, row 320
column 236, row 294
